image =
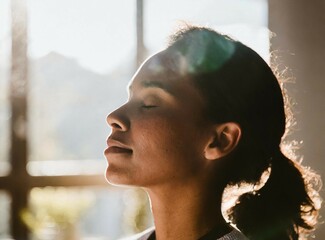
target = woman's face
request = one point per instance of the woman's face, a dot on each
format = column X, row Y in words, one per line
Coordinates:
column 159, row 135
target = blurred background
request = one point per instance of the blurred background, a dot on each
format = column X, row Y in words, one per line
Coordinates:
column 65, row 64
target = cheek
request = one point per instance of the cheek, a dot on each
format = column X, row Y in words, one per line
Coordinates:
column 168, row 144
column 155, row 135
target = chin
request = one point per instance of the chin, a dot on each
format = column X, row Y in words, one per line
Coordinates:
column 118, row 178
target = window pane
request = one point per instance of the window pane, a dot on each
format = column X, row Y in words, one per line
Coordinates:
column 5, row 51
column 81, row 58
column 4, row 215
column 246, row 20
column 86, row 213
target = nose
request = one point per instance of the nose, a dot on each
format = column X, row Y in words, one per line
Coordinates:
column 118, row 119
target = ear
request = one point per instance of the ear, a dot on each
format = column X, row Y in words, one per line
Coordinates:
column 224, row 140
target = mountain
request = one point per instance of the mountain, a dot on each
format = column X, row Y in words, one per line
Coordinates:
column 68, row 107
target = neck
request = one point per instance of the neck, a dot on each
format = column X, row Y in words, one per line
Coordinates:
column 186, row 211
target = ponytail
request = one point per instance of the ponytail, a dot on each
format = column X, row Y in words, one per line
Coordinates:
column 282, row 209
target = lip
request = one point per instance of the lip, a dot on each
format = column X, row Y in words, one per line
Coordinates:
column 117, row 150
column 116, row 147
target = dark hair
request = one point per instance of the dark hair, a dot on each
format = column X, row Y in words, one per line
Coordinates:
column 240, row 87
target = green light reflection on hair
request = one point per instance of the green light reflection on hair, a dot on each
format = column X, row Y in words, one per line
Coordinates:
column 203, row 51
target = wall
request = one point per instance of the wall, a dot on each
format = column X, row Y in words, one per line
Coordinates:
column 299, row 26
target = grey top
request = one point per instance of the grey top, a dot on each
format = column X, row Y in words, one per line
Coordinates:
column 233, row 235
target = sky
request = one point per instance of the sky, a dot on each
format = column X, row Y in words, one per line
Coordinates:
column 100, row 34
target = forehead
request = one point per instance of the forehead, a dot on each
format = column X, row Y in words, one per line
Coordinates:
column 160, row 70
column 164, row 71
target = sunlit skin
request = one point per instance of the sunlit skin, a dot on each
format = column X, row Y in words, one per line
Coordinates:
column 162, row 141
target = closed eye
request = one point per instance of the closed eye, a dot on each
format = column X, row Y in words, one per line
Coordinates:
column 149, row 106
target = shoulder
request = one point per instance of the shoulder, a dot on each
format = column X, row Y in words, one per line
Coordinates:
column 140, row 236
column 234, row 235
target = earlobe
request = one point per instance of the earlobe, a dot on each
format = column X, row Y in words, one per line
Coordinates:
column 223, row 141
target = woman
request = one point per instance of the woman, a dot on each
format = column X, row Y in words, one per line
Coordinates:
column 205, row 113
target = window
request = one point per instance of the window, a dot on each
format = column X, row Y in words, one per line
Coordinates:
column 81, row 58
column 5, row 40
column 244, row 20
column 71, row 64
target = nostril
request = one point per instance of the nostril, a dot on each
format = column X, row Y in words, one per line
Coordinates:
column 115, row 125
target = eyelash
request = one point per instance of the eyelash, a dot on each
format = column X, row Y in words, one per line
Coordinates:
column 148, row 106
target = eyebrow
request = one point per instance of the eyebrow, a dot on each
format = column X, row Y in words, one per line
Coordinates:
column 154, row 84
